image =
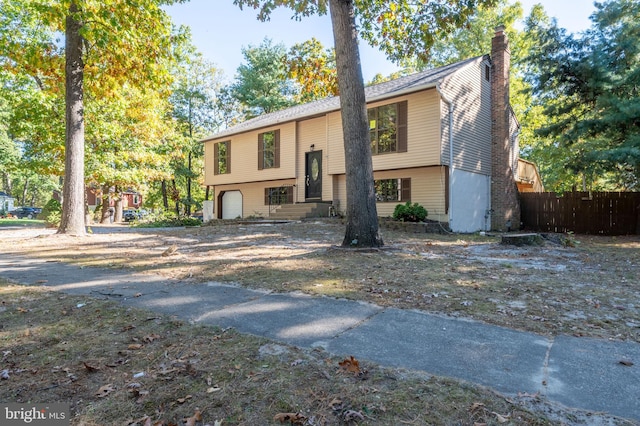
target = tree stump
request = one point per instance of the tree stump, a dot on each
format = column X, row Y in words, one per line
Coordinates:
column 522, row 239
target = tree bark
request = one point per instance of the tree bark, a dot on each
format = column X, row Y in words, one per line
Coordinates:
column 165, row 197
column 105, row 214
column 25, row 190
column 362, row 217
column 188, row 206
column 72, row 221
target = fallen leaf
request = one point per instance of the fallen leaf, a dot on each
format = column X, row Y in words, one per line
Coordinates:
column 150, row 338
column 135, row 346
column 137, row 295
column 170, row 251
column 293, row 418
column 501, row 418
column 42, row 281
column 191, row 421
column 626, row 362
column 91, row 368
column 128, row 327
column 183, row 400
column 336, row 404
column 476, row 406
column 351, row 415
column 105, row 390
column 22, row 310
column 4, row 374
column 352, row 365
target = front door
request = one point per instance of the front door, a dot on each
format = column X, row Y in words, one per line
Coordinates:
column 313, row 178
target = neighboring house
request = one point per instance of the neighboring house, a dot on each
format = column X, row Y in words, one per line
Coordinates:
column 444, row 138
column 528, row 178
column 6, row 202
column 93, row 194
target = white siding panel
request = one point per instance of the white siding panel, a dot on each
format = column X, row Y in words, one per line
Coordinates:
column 470, row 202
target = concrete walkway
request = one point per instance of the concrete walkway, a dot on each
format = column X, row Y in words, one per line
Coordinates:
column 576, row 372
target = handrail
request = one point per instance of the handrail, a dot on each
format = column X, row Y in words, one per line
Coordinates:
column 279, row 191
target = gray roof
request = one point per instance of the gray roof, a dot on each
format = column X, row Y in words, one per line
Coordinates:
column 397, row 87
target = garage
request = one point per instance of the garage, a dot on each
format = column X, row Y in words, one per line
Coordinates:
column 231, row 204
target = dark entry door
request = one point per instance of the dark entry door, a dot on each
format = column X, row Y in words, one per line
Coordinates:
column 313, row 187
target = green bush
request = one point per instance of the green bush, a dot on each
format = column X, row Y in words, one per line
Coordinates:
column 166, row 219
column 51, row 213
column 410, row 212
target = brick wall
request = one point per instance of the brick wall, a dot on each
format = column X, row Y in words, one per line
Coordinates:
column 505, row 208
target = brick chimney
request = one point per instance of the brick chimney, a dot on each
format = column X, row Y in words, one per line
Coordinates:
column 505, row 206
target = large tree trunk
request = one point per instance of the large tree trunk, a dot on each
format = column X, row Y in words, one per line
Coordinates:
column 362, row 216
column 72, row 221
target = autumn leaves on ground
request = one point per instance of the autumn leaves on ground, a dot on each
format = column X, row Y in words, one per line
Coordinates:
column 118, row 365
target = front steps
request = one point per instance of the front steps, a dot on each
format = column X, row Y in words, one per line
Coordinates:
column 301, row 211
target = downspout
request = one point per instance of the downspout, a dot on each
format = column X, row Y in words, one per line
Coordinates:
column 451, row 107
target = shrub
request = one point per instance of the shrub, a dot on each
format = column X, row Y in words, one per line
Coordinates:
column 166, row 219
column 410, row 212
column 51, row 213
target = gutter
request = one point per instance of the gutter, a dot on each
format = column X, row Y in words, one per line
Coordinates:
column 451, row 108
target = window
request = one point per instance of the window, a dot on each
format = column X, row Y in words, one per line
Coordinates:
column 222, row 158
column 393, row 190
column 269, row 150
column 279, row 195
column 388, row 128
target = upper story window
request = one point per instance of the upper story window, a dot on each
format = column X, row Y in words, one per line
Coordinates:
column 222, row 158
column 388, row 128
column 269, row 150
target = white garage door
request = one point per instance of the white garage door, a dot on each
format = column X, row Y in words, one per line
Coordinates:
column 231, row 204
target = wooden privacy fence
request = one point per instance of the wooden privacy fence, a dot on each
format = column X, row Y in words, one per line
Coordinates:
column 606, row 213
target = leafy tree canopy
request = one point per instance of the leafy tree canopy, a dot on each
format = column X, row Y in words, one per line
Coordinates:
column 262, row 84
column 589, row 86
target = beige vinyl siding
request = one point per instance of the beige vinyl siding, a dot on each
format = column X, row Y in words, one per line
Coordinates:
column 313, row 132
column 428, row 188
column 471, row 96
column 335, row 145
column 423, row 135
column 253, row 202
column 244, row 157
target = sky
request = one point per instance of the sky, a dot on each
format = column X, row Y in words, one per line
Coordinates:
column 220, row 30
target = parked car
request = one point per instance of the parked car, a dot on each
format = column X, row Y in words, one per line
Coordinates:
column 130, row 214
column 28, row 212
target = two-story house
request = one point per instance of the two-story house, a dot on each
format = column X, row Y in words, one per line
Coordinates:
column 445, row 138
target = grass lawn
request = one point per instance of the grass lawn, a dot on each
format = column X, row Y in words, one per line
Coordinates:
column 21, row 222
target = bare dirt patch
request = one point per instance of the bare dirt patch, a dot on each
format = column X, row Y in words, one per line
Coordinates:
column 118, row 365
column 592, row 289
